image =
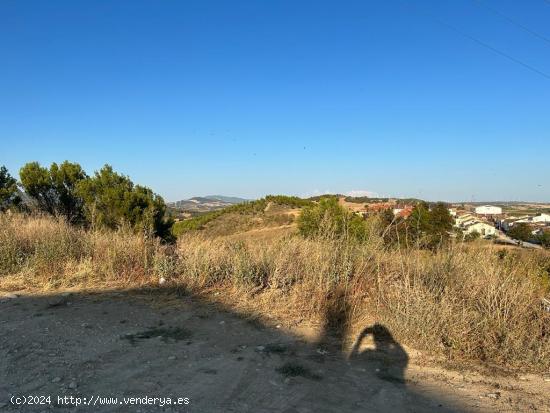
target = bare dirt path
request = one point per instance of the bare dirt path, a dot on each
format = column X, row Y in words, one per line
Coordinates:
column 114, row 344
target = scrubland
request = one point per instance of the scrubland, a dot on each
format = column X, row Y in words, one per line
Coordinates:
column 464, row 302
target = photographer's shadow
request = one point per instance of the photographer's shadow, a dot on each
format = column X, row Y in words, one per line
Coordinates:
column 387, row 360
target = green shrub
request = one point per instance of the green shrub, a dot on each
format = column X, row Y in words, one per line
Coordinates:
column 328, row 219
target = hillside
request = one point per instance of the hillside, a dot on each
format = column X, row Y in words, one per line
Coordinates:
column 207, row 203
column 269, row 212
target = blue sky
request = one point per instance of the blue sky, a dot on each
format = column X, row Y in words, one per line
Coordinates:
column 248, row 98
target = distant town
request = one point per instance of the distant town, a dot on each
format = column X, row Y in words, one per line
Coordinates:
column 523, row 224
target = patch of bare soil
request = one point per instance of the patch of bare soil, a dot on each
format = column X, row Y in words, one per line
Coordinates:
column 124, row 344
column 263, row 234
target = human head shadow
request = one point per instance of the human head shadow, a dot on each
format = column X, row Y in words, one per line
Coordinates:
column 385, row 357
column 388, row 358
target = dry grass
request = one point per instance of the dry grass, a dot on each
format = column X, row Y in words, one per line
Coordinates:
column 466, row 302
column 46, row 253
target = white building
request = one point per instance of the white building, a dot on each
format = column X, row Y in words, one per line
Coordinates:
column 538, row 219
column 488, row 210
column 461, row 220
column 542, row 218
column 485, row 230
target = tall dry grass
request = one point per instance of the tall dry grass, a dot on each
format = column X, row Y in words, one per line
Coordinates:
column 48, row 253
column 466, row 302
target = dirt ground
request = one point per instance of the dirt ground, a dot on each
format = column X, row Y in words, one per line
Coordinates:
column 125, row 344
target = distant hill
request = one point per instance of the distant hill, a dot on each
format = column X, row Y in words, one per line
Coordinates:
column 230, row 199
column 206, row 203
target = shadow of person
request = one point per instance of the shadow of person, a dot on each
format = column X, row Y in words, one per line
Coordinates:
column 388, row 359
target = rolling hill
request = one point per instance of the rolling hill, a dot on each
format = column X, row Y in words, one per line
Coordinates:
column 206, row 203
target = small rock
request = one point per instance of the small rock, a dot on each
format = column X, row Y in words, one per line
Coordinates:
column 278, row 326
column 56, row 379
column 162, row 280
column 260, row 348
column 222, row 322
column 72, row 385
column 495, row 395
column 11, row 295
column 171, row 357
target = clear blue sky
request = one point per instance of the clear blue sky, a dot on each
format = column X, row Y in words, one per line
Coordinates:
column 248, row 98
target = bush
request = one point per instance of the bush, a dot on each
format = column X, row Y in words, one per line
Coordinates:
column 430, row 227
column 328, row 219
column 521, row 232
column 105, row 200
column 544, row 238
column 112, row 200
column 54, row 190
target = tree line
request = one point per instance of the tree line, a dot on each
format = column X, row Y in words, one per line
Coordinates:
column 105, row 199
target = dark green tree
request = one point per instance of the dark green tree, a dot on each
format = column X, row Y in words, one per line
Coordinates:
column 54, row 189
column 544, row 238
column 9, row 196
column 112, row 200
column 441, row 221
column 419, row 220
column 520, row 231
column 430, row 226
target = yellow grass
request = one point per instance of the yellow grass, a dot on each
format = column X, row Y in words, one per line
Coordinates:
column 466, row 302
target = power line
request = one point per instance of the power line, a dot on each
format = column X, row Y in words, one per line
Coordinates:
column 503, row 54
column 512, row 21
column 486, row 45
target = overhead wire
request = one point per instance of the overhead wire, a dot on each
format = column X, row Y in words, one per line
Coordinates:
column 484, row 44
column 512, row 21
